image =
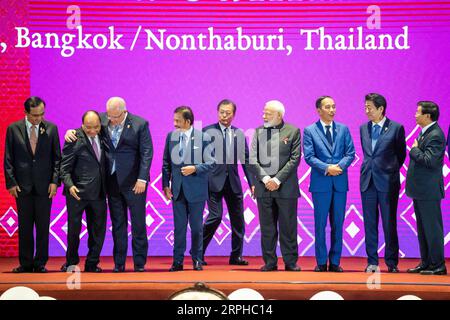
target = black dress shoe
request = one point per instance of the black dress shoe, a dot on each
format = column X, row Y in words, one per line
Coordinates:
column 292, row 268
column 393, row 270
column 204, row 263
column 335, row 268
column 436, row 271
column 118, row 268
column 239, row 261
column 176, row 267
column 320, row 268
column 41, row 269
column 197, row 266
column 21, row 269
column 266, row 268
column 93, row 269
column 139, row 269
column 417, row 269
column 68, row 268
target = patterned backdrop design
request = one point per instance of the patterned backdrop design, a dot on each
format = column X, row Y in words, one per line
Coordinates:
column 154, row 82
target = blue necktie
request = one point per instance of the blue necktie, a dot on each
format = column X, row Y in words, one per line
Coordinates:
column 328, row 135
column 375, row 135
column 115, row 142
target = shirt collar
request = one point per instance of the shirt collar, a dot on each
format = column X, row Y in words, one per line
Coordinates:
column 424, row 129
column 29, row 124
column 222, row 127
column 188, row 133
column 381, row 123
column 324, row 125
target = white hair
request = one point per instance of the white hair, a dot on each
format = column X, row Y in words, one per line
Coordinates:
column 277, row 106
column 116, row 103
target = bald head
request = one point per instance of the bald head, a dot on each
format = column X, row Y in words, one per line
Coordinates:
column 91, row 123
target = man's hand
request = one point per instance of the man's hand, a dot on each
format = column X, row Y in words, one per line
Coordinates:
column 52, row 190
column 73, row 192
column 188, row 170
column 139, row 187
column 415, row 144
column 14, row 191
column 334, row 170
column 168, row 193
column 70, row 136
column 271, row 185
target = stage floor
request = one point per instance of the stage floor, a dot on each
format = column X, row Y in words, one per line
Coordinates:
column 158, row 283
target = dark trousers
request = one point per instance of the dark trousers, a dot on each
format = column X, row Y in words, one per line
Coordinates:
column 184, row 212
column 235, row 207
column 278, row 214
column 374, row 202
column 332, row 204
column 96, row 226
column 119, row 203
column 33, row 212
column 430, row 232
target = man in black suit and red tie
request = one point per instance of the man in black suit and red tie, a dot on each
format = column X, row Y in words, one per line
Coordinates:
column 83, row 174
column 425, row 185
column 225, row 182
column 32, row 159
column 384, row 147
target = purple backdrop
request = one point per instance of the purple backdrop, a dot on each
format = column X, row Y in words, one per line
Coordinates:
column 155, row 82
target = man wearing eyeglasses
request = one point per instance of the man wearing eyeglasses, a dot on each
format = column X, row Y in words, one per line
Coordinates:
column 129, row 153
column 32, row 159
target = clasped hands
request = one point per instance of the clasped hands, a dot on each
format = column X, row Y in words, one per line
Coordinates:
column 271, row 185
column 334, row 170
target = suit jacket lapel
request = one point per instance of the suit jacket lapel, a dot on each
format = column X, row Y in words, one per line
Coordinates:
column 383, row 132
column 424, row 136
column 23, row 130
column 319, row 129
column 336, row 132
column 125, row 130
column 367, row 138
column 87, row 142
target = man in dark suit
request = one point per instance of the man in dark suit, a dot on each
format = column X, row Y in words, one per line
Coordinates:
column 32, row 159
column 384, row 146
column 425, row 185
column 224, row 180
column 329, row 150
column 129, row 153
column 83, row 174
column 275, row 157
column 187, row 161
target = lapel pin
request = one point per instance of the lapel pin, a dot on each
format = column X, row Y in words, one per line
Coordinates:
column 128, row 126
column 285, row 140
column 42, row 130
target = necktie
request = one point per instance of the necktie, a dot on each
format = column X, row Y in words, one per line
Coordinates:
column 115, row 136
column 182, row 146
column 33, row 139
column 115, row 142
column 375, row 135
column 328, row 135
column 226, row 145
column 95, row 147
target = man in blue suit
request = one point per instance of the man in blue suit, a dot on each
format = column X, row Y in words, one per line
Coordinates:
column 328, row 148
column 384, row 146
column 225, row 182
column 129, row 153
column 188, row 157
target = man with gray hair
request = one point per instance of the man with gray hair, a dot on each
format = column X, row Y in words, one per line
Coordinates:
column 129, row 153
column 275, row 157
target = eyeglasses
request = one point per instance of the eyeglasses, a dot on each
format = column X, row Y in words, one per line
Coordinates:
column 110, row 117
